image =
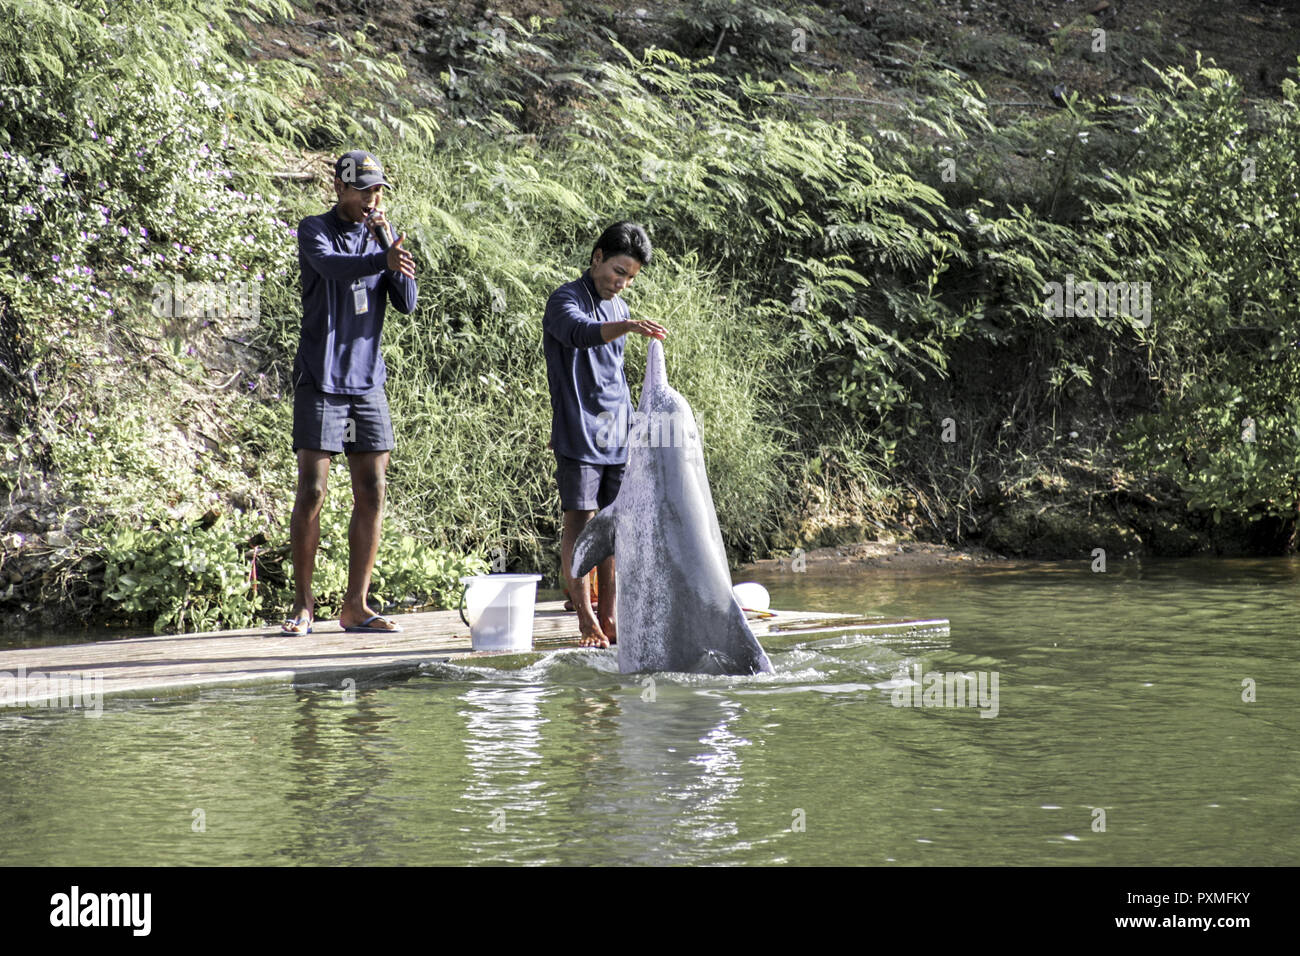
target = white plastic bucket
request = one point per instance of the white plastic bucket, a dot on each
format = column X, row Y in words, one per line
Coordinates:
column 499, row 610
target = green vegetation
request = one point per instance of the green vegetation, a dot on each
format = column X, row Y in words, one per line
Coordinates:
column 856, row 306
column 1226, row 426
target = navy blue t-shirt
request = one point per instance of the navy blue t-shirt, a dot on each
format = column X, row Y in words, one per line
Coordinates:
column 585, row 374
column 340, row 262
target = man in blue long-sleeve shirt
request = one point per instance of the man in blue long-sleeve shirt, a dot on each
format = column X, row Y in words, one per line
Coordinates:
column 339, row 403
column 584, row 327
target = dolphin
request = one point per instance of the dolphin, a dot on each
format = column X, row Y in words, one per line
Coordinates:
column 674, row 603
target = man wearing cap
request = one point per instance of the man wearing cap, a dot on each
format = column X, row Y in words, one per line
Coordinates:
column 351, row 270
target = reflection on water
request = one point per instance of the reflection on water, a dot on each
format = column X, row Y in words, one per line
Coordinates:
column 1123, row 701
column 503, row 748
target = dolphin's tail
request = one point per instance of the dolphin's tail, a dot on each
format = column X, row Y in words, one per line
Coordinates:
column 595, row 543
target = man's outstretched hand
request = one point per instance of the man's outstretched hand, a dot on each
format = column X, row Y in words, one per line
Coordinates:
column 651, row 330
column 399, row 260
column 609, row 331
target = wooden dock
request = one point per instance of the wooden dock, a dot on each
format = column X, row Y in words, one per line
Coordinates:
column 179, row 665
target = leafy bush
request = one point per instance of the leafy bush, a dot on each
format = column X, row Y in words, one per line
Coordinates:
column 196, row 575
column 185, row 575
column 1222, row 189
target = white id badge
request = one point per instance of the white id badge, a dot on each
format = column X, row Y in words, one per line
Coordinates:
column 360, row 301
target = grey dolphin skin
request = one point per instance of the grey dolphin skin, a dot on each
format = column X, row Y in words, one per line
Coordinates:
column 675, row 608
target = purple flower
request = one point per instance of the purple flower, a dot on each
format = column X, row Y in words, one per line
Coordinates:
column 55, row 257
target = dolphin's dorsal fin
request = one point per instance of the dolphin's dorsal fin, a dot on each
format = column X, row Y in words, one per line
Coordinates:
column 596, row 542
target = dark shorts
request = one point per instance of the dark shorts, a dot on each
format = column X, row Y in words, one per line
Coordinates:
column 586, row 487
column 335, row 423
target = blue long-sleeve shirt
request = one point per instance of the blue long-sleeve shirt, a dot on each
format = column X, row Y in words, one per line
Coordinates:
column 339, row 348
column 585, row 374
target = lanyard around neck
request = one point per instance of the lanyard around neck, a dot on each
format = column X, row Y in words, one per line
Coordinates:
column 595, row 311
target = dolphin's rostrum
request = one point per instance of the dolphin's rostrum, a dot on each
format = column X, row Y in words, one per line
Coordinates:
column 675, row 608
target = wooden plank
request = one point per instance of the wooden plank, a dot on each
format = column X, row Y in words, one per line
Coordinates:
column 163, row 666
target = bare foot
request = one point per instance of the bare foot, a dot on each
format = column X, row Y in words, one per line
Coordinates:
column 592, row 636
column 609, row 628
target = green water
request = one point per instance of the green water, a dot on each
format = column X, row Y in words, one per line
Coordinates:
column 1120, row 692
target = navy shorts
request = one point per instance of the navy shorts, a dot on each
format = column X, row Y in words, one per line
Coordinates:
column 585, row 487
column 335, row 423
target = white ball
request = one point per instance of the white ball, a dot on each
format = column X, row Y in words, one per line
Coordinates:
column 752, row 596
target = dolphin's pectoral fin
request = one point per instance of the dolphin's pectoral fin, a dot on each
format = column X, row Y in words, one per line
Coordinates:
column 595, row 542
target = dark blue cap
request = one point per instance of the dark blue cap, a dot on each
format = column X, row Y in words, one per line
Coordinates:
column 360, row 169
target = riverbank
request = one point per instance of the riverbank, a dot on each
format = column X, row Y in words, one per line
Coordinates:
column 888, row 555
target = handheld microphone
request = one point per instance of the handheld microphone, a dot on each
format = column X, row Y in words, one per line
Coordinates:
column 381, row 232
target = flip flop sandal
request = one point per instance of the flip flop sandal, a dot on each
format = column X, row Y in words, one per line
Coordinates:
column 364, row 626
column 291, row 628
